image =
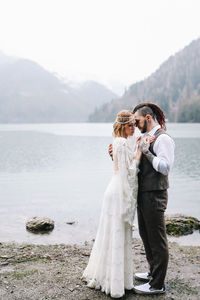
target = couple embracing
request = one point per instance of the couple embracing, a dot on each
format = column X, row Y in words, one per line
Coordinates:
column 139, row 181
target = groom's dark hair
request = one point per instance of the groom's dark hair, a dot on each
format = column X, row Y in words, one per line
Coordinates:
column 152, row 109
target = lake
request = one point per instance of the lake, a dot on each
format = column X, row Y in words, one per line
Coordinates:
column 61, row 171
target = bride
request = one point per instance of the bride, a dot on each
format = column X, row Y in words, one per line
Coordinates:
column 110, row 267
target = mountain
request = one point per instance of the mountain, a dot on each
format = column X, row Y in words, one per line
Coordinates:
column 175, row 87
column 91, row 95
column 29, row 94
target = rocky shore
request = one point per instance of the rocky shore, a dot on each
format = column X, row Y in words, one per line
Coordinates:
column 37, row 272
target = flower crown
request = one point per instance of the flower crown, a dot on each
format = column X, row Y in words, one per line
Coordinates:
column 131, row 118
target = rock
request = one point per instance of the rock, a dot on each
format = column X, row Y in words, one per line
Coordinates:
column 39, row 224
column 181, row 225
column 70, row 222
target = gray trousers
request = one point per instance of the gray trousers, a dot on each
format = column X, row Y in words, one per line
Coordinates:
column 151, row 222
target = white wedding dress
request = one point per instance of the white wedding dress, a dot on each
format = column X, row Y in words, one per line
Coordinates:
column 110, row 266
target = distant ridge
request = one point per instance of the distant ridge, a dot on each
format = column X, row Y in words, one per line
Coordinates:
column 175, row 86
column 31, row 94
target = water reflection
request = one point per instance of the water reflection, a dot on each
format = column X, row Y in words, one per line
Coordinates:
column 187, row 157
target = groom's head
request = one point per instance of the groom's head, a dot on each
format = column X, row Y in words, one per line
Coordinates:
column 147, row 115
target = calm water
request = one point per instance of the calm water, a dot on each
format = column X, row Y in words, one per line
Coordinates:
column 62, row 170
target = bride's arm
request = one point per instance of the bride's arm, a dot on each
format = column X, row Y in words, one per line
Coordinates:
column 127, row 166
column 138, row 156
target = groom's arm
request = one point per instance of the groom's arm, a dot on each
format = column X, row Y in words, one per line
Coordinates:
column 162, row 162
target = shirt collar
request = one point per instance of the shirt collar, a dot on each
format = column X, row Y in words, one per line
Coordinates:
column 153, row 130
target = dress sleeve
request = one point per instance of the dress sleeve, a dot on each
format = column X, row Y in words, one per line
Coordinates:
column 127, row 166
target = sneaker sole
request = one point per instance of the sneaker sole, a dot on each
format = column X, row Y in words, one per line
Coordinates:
column 148, row 293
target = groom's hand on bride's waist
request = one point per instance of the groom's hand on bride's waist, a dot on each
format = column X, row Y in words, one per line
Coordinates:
column 110, row 151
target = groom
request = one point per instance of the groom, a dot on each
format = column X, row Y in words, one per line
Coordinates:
column 156, row 162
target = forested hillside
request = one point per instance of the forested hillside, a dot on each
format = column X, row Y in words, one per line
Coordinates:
column 175, row 86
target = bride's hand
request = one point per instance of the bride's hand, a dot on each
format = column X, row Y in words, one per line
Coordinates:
column 144, row 144
column 138, row 139
column 152, row 139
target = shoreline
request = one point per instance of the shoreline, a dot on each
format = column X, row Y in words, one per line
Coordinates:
column 192, row 240
column 35, row 272
column 75, row 236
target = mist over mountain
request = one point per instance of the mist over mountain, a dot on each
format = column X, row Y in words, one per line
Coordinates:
column 30, row 94
column 175, row 87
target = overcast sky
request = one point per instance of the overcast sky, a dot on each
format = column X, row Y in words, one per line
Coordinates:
column 116, row 42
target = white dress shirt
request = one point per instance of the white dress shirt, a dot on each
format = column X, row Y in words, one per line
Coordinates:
column 164, row 150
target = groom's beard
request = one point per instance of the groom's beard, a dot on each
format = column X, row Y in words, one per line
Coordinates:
column 144, row 128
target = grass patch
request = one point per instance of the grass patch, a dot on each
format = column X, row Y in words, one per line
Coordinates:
column 19, row 276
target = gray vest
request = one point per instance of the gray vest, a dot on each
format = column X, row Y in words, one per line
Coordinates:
column 149, row 179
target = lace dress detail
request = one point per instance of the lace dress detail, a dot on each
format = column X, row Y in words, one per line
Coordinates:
column 110, row 266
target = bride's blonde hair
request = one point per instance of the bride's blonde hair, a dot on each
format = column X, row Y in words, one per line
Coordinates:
column 123, row 118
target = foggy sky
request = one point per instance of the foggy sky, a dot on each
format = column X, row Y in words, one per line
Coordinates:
column 116, row 42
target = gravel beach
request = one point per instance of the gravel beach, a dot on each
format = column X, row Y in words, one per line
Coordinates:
column 37, row 272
